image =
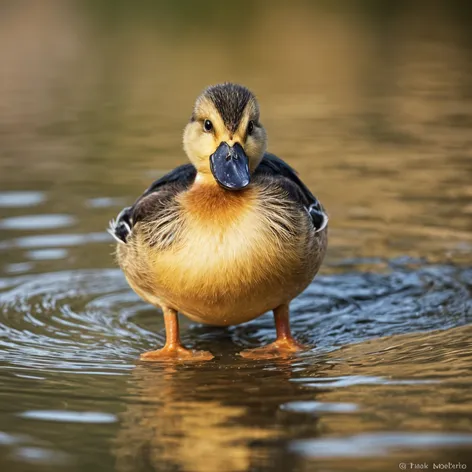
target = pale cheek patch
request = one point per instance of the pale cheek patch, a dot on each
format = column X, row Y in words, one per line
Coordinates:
column 255, row 147
column 199, row 146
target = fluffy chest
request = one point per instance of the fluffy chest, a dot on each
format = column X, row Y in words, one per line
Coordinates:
column 231, row 242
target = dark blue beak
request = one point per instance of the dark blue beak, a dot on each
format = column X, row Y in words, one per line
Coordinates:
column 230, row 166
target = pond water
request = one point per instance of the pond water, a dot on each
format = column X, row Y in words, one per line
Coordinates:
column 372, row 103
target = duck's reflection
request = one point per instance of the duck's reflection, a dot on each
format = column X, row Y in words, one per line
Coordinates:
column 203, row 418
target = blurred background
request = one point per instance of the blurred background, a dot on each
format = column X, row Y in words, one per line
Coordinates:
column 370, row 100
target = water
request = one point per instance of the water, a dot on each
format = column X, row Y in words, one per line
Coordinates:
column 372, row 105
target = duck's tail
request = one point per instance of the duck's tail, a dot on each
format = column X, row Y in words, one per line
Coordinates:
column 121, row 227
column 318, row 216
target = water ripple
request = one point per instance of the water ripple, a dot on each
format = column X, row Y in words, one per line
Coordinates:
column 345, row 308
column 69, row 416
column 378, row 444
column 34, row 222
column 20, row 199
column 52, row 322
column 90, row 321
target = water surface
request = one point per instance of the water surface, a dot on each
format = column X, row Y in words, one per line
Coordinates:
column 372, row 105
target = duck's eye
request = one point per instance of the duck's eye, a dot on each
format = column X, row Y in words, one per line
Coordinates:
column 250, row 127
column 207, row 125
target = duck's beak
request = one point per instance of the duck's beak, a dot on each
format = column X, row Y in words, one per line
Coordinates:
column 230, row 166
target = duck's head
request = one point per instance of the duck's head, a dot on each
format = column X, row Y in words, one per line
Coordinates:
column 224, row 139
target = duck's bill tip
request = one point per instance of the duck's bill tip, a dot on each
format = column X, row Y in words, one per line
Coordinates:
column 230, row 167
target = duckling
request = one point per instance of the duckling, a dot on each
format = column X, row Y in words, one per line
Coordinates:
column 227, row 238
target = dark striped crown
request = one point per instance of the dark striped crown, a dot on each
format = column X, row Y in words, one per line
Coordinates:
column 230, row 100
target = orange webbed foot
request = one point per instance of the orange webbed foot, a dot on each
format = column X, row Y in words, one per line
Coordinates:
column 281, row 348
column 176, row 353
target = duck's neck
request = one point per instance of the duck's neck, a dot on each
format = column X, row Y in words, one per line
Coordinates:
column 206, row 179
column 209, row 200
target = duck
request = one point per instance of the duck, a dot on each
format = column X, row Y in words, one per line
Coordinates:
column 229, row 236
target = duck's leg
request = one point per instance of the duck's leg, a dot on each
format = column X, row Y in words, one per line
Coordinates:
column 173, row 348
column 285, row 344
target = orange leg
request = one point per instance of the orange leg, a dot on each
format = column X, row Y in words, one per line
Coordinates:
column 173, row 348
column 285, row 344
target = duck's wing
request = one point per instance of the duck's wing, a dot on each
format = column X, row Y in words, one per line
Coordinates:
column 153, row 203
column 182, row 176
column 288, row 179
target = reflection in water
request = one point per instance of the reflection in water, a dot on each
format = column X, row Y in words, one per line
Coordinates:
column 371, row 102
column 227, row 417
column 201, row 419
column 83, row 330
